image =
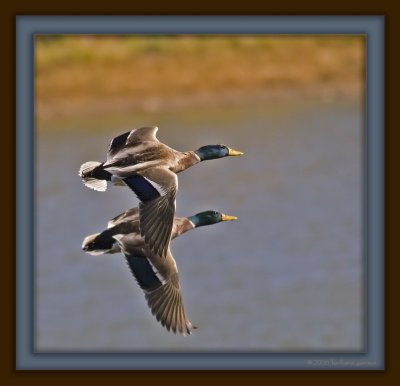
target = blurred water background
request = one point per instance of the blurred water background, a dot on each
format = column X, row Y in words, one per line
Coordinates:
column 287, row 276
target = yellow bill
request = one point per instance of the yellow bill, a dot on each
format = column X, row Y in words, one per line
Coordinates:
column 234, row 152
column 226, row 217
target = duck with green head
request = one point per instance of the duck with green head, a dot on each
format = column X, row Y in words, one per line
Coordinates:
column 158, row 277
column 148, row 167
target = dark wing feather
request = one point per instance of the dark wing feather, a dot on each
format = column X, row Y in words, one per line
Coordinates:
column 119, row 141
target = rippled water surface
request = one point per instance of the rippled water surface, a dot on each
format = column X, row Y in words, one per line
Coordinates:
column 287, row 276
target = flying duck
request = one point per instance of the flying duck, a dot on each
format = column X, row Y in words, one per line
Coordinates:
column 157, row 277
column 139, row 160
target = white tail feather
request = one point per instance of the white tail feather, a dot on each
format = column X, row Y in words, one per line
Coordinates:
column 93, row 183
column 87, row 167
column 90, row 182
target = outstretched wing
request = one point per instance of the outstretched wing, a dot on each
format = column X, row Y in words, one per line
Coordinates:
column 129, row 215
column 119, row 141
column 162, row 290
column 132, row 138
column 166, row 305
column 156, row 189
column 143, row 134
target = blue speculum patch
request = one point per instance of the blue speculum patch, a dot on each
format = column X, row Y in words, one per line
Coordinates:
column 144, row 190
column 143, row 272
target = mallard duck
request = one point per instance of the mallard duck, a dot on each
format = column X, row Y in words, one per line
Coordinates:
column 137, row 159
column 158, row 277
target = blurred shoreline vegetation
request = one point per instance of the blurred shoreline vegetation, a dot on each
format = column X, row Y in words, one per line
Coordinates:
column 78, row 75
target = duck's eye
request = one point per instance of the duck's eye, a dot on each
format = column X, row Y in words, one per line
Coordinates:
column 215, row 213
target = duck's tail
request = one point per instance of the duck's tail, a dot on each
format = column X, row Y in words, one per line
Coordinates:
column 100, row 244
column 94, row 176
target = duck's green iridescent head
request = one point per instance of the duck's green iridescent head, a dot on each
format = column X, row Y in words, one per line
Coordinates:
column 209, row 217
column 216, row 151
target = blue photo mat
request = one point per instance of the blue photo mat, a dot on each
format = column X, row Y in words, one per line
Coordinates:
column 373, row 154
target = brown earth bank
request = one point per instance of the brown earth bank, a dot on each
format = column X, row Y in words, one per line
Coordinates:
column 90, row 75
